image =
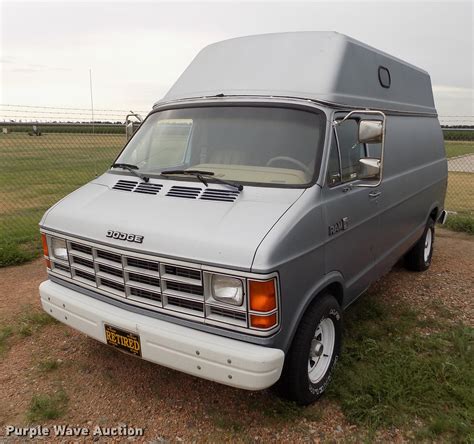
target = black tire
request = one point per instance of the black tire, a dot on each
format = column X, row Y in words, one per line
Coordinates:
column 415, row 259
column 295, row 383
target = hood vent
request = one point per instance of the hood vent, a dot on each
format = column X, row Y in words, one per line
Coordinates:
column 215, row 194
column 220, row 195
column 148, row 188
column 186, row 192
column 125, row 185
column 142, row 187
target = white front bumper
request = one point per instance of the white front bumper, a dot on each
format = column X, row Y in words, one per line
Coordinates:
column 228, row 361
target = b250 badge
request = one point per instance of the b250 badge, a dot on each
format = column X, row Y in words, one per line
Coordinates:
column 125, row 236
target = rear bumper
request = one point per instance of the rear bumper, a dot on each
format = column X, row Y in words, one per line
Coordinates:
column 442, row 217
column 228, row 361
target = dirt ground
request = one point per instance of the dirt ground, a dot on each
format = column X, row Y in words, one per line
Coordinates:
column 108, row 388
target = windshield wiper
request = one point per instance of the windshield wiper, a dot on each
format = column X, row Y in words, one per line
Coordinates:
column 132, row 169
column 203, row 176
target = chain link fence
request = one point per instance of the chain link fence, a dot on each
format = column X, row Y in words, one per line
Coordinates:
column 41, row 163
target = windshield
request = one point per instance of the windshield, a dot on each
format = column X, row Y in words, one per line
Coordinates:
column 262, row 145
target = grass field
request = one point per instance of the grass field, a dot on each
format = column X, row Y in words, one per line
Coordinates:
column 458, row 148
column 38, row 171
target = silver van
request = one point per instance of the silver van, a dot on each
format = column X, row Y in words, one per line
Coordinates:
column 280, row 176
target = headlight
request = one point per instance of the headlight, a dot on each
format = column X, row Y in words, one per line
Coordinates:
column 227, row 289
column 58, row 248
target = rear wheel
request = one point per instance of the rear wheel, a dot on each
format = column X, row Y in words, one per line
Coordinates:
column 314, row 352
column 419, row 257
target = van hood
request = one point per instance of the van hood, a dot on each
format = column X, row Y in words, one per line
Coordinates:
column 212, row 232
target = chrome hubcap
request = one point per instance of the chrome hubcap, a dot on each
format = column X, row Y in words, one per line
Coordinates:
column 321, row 350
column 428, row 244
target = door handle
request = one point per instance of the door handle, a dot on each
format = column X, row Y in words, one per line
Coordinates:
column 374, row 194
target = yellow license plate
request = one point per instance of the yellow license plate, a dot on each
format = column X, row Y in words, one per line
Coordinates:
column 123, row 340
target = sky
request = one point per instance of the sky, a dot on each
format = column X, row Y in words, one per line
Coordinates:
column 136, row 50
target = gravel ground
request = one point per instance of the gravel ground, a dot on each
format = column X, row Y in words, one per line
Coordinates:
column 108, row 388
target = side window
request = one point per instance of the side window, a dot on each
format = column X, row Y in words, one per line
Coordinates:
column 334, row 170
column 350, row 148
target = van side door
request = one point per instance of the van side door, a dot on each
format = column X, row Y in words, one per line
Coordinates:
column 351, row 215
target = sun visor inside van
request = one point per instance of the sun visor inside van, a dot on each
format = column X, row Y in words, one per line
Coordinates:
column 321, row 66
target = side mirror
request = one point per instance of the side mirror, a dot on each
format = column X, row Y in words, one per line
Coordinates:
column 369, row 168
column 132, row 125
column 370, row 131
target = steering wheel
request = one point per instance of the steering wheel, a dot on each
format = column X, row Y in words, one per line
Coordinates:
column 291, row 160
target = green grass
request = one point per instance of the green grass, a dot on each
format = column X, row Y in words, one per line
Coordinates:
column 460, row 222
column 5, row 333
column 458, row 148
column 48, row 365
column 35, row 172
column 31, row 320
column 26, row 324
column 47, row 406
column 395, row 374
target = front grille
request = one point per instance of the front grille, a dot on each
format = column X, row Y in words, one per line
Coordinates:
column 81, row 248
column 185, row 288
column 84, row 275
column 81, row 261
column 110, row 270
column 142, row 280
column 145, row 294
column 186, row 304
column 183, row 272
column 109, row 256
column 144, row 265
column 61, row 267
column 139, row 280
column 235, row 315
column 111, row 284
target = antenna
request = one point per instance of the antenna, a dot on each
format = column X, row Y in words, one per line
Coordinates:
column 92, row 112
column 92, row 99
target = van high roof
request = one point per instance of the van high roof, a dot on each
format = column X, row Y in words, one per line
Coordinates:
column 322, row 66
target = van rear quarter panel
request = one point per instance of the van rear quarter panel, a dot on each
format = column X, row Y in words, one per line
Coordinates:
column 414, row 183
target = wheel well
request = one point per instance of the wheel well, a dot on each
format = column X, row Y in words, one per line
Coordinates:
column 337, row 291
column 434, row 214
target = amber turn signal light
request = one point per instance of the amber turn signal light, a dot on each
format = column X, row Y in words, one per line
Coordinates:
column 264, row 322
column 45, row 244
column 45, row 250
column 262, row 295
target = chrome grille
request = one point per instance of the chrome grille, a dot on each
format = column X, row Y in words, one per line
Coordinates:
column 163, row 285
column 138, row 280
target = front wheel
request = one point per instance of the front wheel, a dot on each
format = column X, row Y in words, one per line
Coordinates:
column 314, row 352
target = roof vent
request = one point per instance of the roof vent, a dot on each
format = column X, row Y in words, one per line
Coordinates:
column 125, row 185
column 186, row 192
column 148, row 188
column 220, row 195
